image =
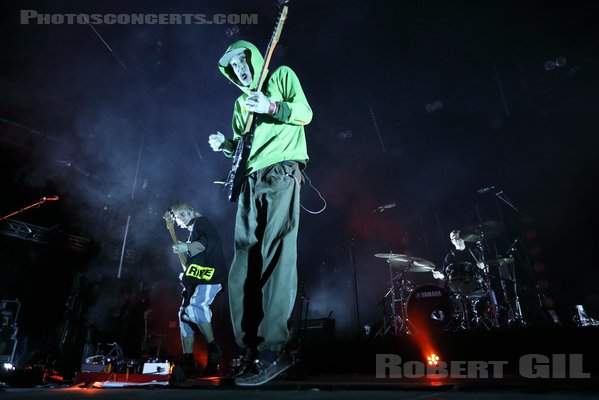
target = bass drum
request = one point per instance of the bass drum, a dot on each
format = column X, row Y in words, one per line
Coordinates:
column 431, row 309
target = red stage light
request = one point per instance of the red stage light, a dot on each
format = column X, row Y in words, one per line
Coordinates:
column 432, row 359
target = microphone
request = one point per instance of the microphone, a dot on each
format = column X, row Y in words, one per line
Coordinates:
column 485, row 189
column 384, row 207
column 53, row 198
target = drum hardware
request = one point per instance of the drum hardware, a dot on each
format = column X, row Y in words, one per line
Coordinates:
column 389, row 321
column 581, row 319
column 455, row 308
column 395, row 321
column 400, row 318
column 501, row 261
column 507, row 302
column 491, row 297
column 434, row 309
column 411, row 264
column 386, row 255
column 515, row 317
column 509, row 286
column 467, row 283
column 475, row 295
column 428, row 308
column 464, row 278
column 479, row 232
column 475, row 311
column 403, row 262
column 480, row 317
column 399, row 264
column 463, row 304
column 518, row 317
column 510, row 303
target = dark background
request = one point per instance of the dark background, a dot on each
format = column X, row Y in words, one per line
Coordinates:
column 121, row 134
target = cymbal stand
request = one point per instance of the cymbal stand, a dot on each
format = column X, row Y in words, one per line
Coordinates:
column 388, row 322
column 506, row 303
column 394, row 315
column 464, row 304
column 398, row 320
column 487, row 280
column 507, row 298
column 403, row 318
column 517, row 316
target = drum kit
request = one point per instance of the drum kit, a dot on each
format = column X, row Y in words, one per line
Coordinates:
column 461, row 299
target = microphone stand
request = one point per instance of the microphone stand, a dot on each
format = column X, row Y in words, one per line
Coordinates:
column 492, row 299
column 501, row 196
column 353, row 263
column 518, row 317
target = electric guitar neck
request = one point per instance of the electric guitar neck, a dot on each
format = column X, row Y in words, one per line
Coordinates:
column 169, row 218
column 236, row 176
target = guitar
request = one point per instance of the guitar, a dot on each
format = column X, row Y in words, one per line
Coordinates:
column 244, row 144
column 169, row 218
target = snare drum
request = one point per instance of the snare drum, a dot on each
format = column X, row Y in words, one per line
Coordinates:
column 431, row 308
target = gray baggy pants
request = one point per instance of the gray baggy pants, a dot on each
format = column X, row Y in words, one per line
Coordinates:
column 263, row 275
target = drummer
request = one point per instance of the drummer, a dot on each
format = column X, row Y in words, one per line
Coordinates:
column 461, row 254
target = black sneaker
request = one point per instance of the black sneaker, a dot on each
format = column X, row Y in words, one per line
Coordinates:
column 185, row 369
column 264, row 371
column 214, row 356
column 246, row 363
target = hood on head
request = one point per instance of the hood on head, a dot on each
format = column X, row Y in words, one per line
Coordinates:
column 256, row 63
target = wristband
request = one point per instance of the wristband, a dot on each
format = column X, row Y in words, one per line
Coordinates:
column 272, row 108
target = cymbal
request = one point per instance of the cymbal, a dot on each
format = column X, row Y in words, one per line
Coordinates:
column 411, row 264
column 487, row 229
column 387, row 255
column 500, row 261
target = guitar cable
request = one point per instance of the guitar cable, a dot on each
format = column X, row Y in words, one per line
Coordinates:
column 303, row 172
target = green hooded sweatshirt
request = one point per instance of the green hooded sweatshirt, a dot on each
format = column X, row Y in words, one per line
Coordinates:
column 278, row 137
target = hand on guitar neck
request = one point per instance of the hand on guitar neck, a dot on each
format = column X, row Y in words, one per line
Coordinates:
column 258, row 103
column 247, row 73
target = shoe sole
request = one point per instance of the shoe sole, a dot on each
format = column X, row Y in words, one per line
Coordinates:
column 264, row 381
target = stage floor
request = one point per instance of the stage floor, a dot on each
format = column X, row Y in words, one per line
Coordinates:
column 555, row 363
column 333, row 388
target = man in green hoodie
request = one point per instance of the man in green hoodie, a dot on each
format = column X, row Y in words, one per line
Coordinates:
column 263, row 275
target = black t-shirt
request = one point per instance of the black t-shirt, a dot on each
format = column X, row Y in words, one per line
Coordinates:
column 467, row 255
column 207, row 267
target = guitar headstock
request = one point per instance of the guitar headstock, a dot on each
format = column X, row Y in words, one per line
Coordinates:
column 281, row 20
column 169, row 216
